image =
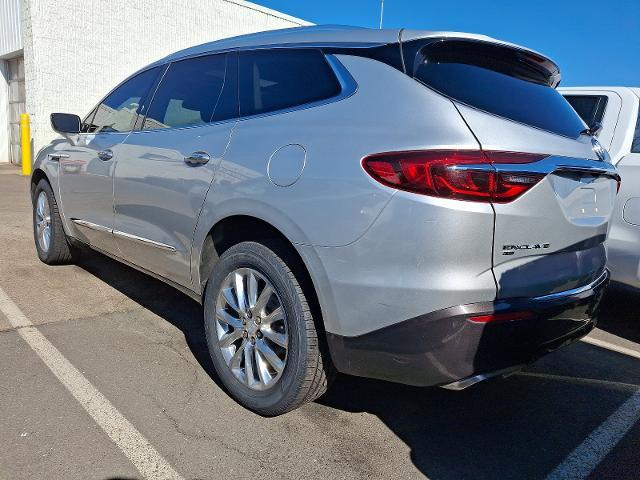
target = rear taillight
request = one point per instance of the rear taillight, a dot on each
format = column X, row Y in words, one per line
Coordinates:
column 456, row 174
column 502, row 317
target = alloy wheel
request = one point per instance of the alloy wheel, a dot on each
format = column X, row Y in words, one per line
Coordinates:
column 43, row 222
column 251, row 328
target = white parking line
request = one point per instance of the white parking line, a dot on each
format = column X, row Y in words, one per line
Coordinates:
column 132, row 443
column 611, row 346
column 586, row 457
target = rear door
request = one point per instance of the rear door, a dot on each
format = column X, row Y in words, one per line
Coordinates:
column 165, row 169
column 550, row 238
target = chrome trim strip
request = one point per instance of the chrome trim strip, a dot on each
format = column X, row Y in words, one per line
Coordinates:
column 92, row 226
column 556, row 163
column 146, row 241
column 575, row 291
column 119, row 234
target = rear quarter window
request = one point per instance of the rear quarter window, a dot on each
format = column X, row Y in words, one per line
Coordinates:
column 276, row 79
column 635, row 146
column 499, row 80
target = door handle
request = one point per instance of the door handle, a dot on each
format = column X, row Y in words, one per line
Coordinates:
column 105, row 155
column 56, row 156
column 197, row 158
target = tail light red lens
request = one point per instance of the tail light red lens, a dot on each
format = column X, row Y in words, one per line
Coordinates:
column 456, row 174
column 502, row 317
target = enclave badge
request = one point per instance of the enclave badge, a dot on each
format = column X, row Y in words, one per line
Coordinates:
column 511, row 249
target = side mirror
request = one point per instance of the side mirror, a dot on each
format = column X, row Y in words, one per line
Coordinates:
column 595, row 128
column 65, row 123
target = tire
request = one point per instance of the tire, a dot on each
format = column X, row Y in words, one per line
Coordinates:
column 57, row 251
column 306, row 371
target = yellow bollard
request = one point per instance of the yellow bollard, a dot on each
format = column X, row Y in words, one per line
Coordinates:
column 25, row 143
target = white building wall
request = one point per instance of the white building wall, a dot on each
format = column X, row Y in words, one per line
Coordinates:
column 77, row 50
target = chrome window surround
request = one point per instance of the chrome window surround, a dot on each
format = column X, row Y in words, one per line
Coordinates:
column 348, row 87
column 347, row 82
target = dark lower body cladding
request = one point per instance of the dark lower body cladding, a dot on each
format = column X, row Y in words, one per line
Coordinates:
column 466, row 341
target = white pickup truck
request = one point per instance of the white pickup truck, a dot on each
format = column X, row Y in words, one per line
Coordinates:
column 617, row 110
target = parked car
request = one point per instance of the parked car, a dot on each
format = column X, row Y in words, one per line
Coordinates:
column 616, row 111
column 421, row 207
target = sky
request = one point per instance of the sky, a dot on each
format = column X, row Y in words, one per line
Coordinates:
column 593, row 42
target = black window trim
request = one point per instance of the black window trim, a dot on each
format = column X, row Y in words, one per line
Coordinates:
column 636, row 134
column 348, row 85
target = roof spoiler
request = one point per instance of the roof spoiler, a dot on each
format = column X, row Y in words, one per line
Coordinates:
column 513, row 59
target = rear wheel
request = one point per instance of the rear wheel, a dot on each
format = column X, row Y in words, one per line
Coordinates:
column 261, row 333
column 51, row 242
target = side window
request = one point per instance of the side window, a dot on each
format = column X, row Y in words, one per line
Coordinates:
column 119, row 110
column 281, row 78
column 635, row 146
column 194, row 91
column 590, row 107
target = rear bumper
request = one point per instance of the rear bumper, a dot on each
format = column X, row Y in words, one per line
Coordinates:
column 445, row 346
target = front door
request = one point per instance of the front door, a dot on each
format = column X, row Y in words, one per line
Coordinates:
column 86, row 187
column 87, row 161
column 164, row 170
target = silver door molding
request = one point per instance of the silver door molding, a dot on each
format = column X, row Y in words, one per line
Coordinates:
column 119, row 234
column 146, row 241
column 92, row 226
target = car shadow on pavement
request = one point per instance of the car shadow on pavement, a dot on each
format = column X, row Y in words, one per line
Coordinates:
column 519, row 427
column 156, row 296
column 621, row 313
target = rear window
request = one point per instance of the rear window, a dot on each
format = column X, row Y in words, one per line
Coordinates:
column 503, row 81
column 590, row 107
column 193, row 92
column 282, row 78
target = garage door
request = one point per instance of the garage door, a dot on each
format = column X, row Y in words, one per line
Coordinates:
column 16, row 105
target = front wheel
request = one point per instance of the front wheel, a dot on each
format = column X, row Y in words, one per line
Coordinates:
column 51, row 242
column 261, row 333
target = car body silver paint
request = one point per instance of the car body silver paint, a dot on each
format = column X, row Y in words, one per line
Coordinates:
column 421, row 254
column 619, row 124
column 336, row 136
column 86, row 186
column 550, row 212
column 395, row 253
column 156, row 195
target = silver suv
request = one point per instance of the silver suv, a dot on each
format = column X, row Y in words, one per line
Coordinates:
column 414, row 206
